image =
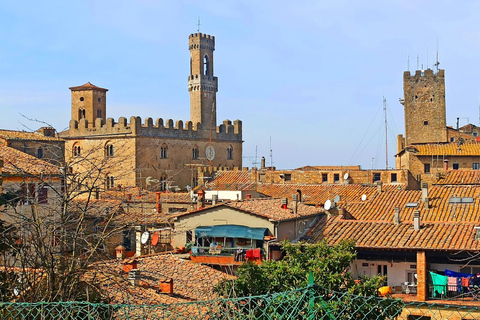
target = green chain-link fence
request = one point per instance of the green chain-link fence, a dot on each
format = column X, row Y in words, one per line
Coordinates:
column 307, row 303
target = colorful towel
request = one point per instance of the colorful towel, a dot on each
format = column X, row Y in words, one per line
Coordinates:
column 452, row 284
column 439, row 283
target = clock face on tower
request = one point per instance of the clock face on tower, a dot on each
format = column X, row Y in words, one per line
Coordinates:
column 210, row 153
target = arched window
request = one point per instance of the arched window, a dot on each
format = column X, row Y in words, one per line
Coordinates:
column 99, row 113
column 229, row 153
column 76, row 151
column 110, row 182
column 206, row 65
column 40, row 153
column 163, row 151
column 195, row 152
column 108, row 149
column 81, row 113
column 190, row 65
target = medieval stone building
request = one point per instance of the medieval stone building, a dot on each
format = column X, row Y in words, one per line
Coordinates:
column 156, row 154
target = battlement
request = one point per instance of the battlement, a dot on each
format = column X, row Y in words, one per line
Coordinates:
column 201, row 41
column 189, row 130
column 423, row 74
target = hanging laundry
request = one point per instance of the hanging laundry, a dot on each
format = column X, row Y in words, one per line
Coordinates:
column 439, row 283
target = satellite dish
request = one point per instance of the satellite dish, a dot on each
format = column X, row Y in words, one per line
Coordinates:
column 155, row 238
column 327, row 205
column 364, row 197
column 145, row 237
column 336, row 199
column 345, row 176
column 149, row 181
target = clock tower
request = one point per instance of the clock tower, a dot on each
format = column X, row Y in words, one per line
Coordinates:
column 202, row 84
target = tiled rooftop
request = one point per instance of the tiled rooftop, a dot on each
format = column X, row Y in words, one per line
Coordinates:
column 191, row 281
column 19, row 163
column 328, row 168
column 448, row 149
column 463, row 177
column 271, row 208
column 23, row 135
column 177, row 197
column 87, row 86
column 232, row 180
column 387, row 235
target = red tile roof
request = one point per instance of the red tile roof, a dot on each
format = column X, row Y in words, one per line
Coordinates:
column 386, row 235
column 191, row 281
column 87, row 86
column 231, row 180
column 463, row 177
column 19, row 163
column 23, row 135
column 448, row 149
column 328, row 168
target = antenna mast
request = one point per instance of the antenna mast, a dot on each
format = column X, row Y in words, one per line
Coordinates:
column 386, row 136
column 271, row 153
column 198, row 25
column 436, row 59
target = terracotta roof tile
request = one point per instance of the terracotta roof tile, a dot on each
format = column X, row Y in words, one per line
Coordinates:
column 19, row 163
column 177, row 197
column 386, row 235
column 231, row 180
column 448, row 149
column 23, row 135
column 87, row 86
column 191, row 281
column 328, row 168
column 463, row 177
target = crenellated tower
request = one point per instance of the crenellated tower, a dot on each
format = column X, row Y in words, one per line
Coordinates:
column 424, row 102
column 89, row 102
column 202, row 84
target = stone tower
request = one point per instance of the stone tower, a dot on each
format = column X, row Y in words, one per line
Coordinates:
column 89, row 102
column 424, row 102
column 202, row 84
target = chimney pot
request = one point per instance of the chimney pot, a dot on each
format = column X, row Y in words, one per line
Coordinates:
column 120, row 252
column 379, row 186
column 249, row 196
column 134, row 277
column 214, row 199
column 295, row 202
column 424, row 191
column 284, row 203
column 166, row 286
column 396, row 215
column 262, row 165
column 416, row 220
column 477, row 233
column 445, row 164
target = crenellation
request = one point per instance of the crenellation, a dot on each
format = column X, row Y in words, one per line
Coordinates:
column 159, row 123
column 169, row 124
column 179, row 125
column 110, row 123
column 148, row 122
column 99, row 122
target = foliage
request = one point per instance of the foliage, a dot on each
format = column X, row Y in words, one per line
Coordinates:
column 329, row 266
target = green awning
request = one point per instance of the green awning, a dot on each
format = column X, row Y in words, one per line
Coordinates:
column 231, row 231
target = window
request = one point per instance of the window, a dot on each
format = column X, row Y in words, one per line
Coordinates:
column 393, row 177
column 230, row 153
column 475, row 134
column 336, row 177
column 426, row 167
column 40, row 153
column 288, row 177
column 99, row 113
column 195, row 153
column 376, row 176
column 324, row 177
column 163, row 151
column 456, row 166
column 28, row 192
column 425, row 122
column 99, row 99
column 81, row 99
column 206, row 64
column 109, row 149
column 76, row 150
column 452, row 139
column 475, row 166
column 81, row 114
column 43, row 195
column 110, row 182
column 382, row 271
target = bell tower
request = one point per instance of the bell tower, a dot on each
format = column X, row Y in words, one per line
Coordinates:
column 89, row 102
column 202, row 84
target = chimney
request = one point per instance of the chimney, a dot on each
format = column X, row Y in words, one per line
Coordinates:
column 166, row 286
column 249, row 196
column 477, row 233
column 445, row 164
column 396, row 215
column 458, row 123
column 284, row 203
column 424, row 191
column 134, row 277
column 299, row 195
column 295, row 203
column 214, row 199
column 379, row 186
column 120, row 252
column 262, row 163
column 416, row 220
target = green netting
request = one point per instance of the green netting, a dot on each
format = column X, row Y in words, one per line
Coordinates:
column 307, row 303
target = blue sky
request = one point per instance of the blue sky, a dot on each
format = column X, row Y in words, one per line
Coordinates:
column 310, row 75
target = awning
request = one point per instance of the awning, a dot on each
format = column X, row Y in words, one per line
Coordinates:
column 231, row 231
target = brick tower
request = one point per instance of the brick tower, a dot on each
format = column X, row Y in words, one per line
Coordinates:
column 424, row 102
column 89, row 102
column 202, row 84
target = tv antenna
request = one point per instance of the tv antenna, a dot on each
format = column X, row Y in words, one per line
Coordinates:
column 436, row 59
column 271, row 153
column 198, row 25
column 386, row 135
